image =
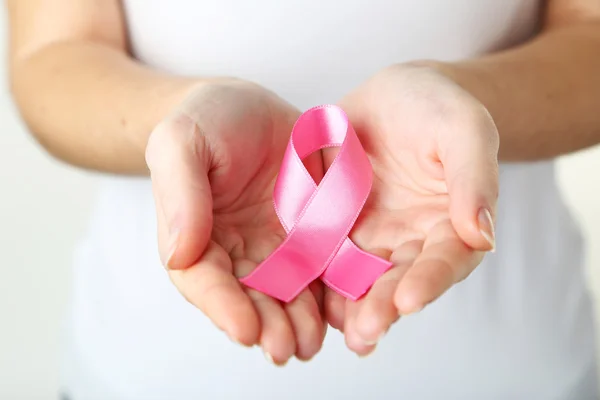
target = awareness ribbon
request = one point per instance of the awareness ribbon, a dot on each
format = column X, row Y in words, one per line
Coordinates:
column 318, row 219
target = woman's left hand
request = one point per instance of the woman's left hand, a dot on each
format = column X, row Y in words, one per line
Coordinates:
column 433, row 148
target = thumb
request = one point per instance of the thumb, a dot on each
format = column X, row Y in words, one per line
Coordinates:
column 470, row 160
column 179, row 162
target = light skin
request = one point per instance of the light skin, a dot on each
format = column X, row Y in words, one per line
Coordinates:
column 91, row 105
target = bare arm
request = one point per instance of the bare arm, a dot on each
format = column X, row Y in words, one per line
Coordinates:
column 81, row 94
column 85, row 100
column 545, row 95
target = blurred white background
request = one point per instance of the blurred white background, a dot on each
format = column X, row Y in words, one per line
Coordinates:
column 43, row 208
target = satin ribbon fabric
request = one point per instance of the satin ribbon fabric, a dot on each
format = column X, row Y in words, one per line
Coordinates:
column 318, row 219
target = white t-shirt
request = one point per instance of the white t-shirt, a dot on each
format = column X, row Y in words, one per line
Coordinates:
column 520, row 327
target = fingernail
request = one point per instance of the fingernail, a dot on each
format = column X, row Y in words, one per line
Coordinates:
column 486, row 227
column 173, row 242
column 324, row 334
column 234, row 340
column 373, row 343
column 365, row 355
column 269, row 357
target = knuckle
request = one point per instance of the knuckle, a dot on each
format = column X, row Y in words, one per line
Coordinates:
column 279, row 328
column 308, row 335
column 307, row 322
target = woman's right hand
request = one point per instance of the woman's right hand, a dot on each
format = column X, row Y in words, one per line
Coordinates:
column 213, row 164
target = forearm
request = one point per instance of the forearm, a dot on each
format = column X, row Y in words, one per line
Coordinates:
column 544, row 96
column 91, row 105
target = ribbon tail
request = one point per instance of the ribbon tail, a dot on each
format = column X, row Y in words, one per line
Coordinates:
column 284, row 276
column 353, row 271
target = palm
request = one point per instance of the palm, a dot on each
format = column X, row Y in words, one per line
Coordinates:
column 405, row 203
column 409, row 215
column 240, row 133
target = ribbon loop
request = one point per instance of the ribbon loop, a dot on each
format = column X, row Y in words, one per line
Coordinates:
column 319, row 218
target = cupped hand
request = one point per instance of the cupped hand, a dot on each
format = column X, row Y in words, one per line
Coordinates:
column 433, row 148
column 213, row 165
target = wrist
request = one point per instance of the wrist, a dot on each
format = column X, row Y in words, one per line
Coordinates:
column 469, row 75
column 166, row 96
column 182, row 99
column 474, row 77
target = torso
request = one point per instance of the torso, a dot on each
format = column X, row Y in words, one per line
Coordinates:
column 519, row 327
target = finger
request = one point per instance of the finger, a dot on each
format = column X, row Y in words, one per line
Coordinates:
column 178, row 165
column 329, row 154
column 377, row 311
column 444, row 261
column 318, row 291
column 305, row 317
column 314, row 165
column 470, row 160
column 277, row 335
column 335, row 308
column 210, row 286
column 353, row 341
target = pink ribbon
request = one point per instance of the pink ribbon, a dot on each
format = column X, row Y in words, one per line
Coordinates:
column 318, row 219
